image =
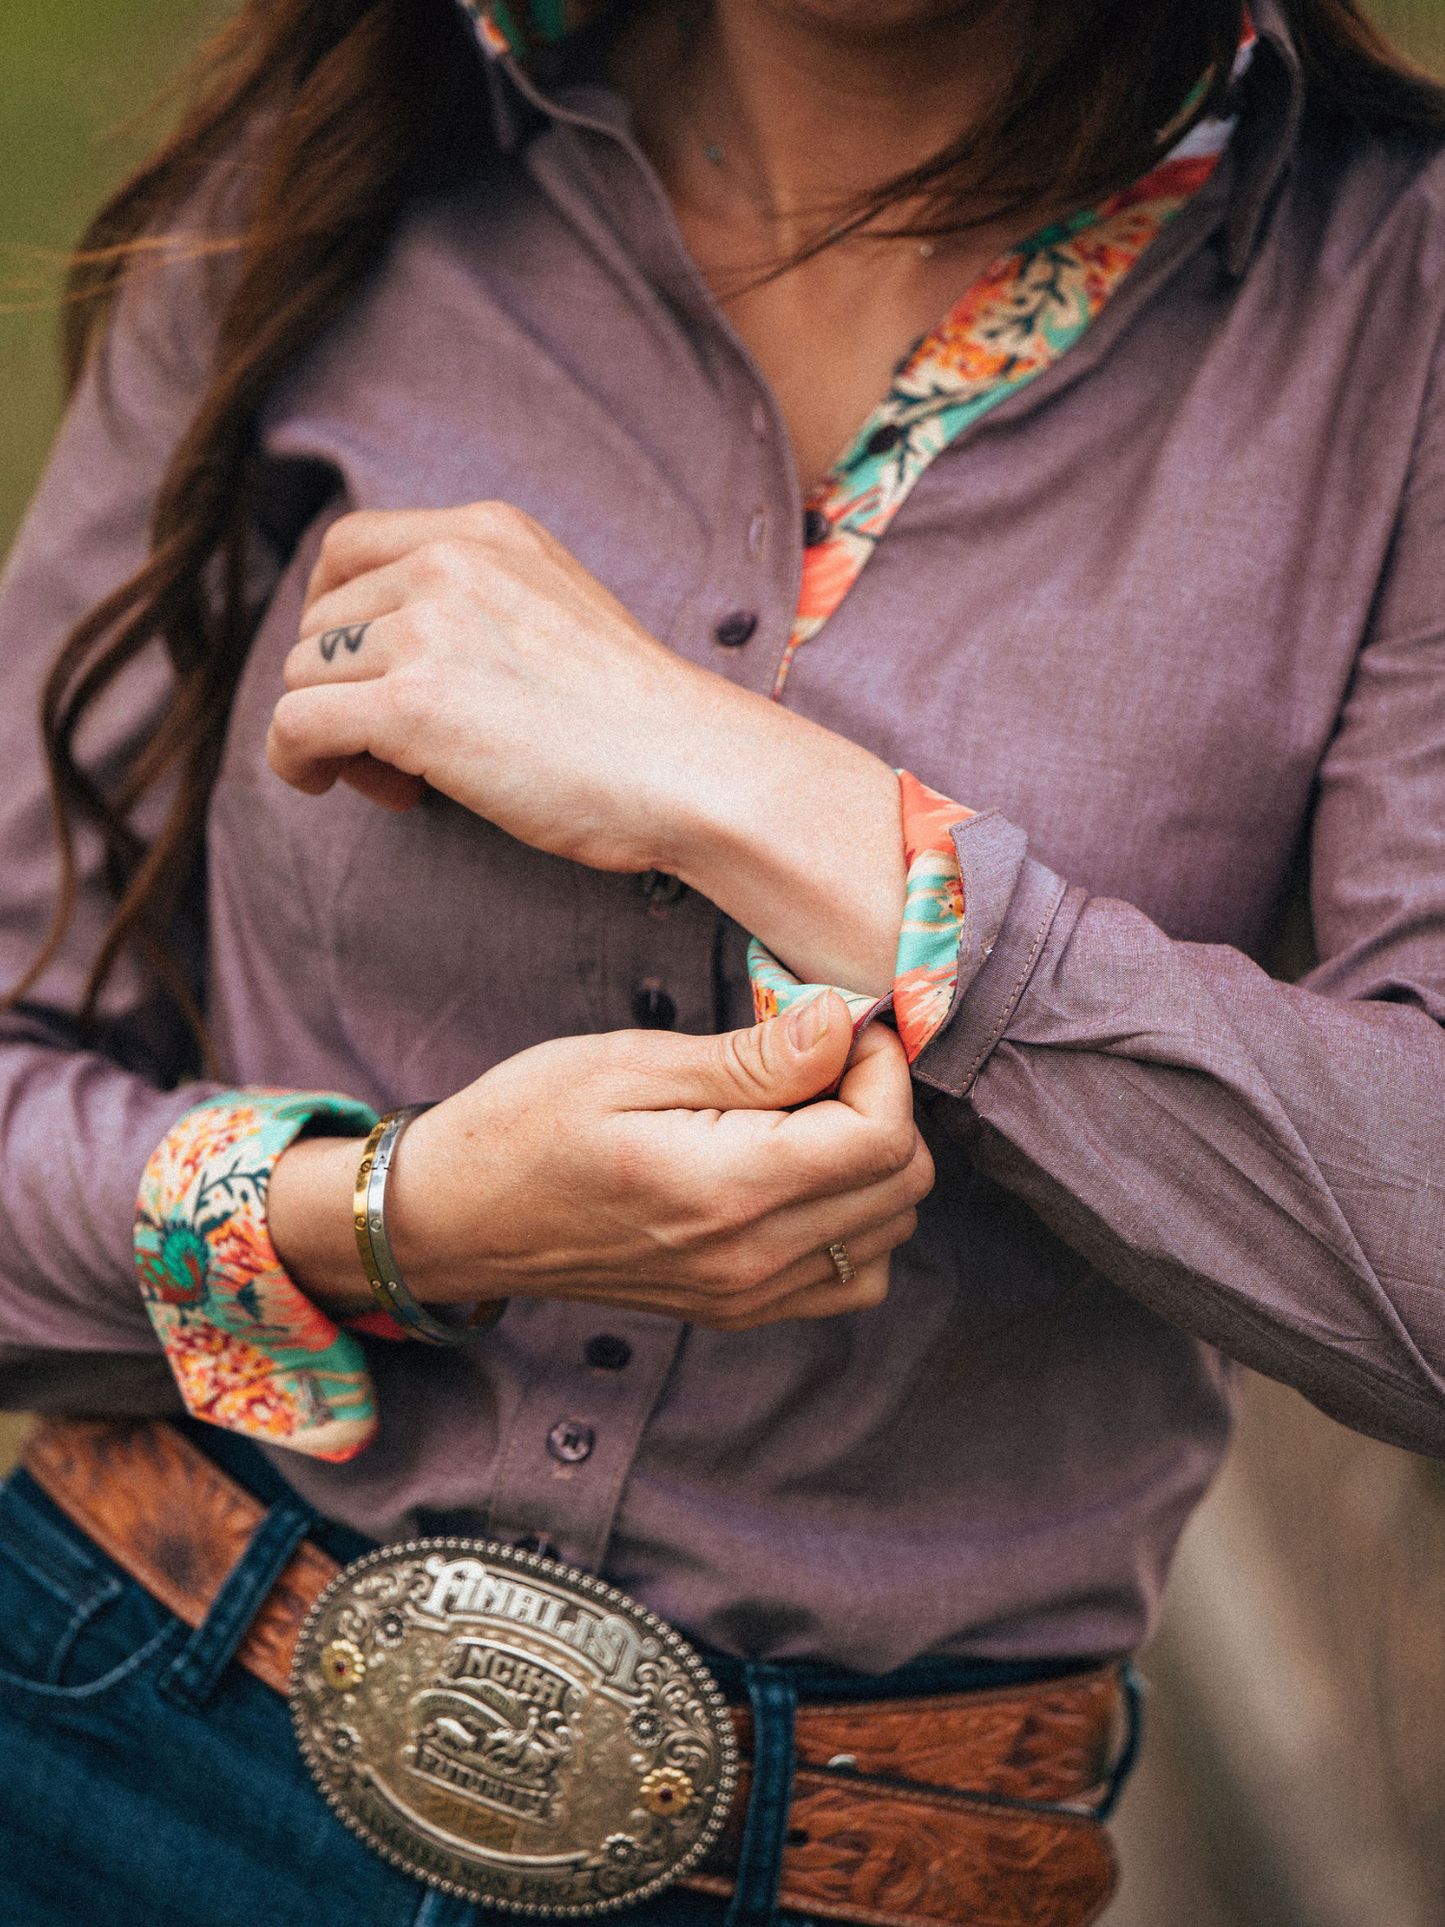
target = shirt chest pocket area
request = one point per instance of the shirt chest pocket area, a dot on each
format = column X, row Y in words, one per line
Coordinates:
column 71, row 1625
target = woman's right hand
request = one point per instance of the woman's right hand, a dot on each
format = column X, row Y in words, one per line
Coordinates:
column 641, row 1169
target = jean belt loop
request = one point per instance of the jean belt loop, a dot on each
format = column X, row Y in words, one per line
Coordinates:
column 1133, row 1690
column 443, row 1910
column 774, row 1700
column 195, row 1673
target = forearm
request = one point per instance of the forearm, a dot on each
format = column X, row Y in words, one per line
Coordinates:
column 796, row 833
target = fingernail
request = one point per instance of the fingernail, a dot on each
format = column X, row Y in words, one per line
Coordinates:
column 807, row 1024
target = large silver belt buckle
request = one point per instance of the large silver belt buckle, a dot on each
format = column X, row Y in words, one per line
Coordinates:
column 511, row 1730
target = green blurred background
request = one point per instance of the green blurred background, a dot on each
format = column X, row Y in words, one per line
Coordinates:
column 74, row 74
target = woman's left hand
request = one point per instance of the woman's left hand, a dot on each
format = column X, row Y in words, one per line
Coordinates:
column 467, row 649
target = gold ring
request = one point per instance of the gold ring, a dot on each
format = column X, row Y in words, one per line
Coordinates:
column 842, row 1263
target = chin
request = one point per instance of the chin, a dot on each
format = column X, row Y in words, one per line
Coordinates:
column 864, row 21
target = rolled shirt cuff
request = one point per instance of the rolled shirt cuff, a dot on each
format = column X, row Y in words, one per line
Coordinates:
column 250, row 1352
column 976, row 914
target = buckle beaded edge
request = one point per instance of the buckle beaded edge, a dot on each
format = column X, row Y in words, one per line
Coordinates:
column 510, row 1730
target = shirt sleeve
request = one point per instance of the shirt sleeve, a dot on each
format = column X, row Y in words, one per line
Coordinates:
column 925, row 975
column 77, row 1125
column 1261, row 1163
column 81, row 1118
column 250, row 1352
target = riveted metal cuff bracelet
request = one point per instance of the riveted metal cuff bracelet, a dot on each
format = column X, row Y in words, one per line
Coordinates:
column 369, row 1220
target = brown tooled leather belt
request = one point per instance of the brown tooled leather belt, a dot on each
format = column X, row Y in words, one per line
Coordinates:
column 905, row 1813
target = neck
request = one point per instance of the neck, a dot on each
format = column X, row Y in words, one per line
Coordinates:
column 795, row 109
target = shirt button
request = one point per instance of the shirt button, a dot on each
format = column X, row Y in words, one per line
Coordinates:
column 756, row 530
column 652, row 1008
column 734, row 630
column 760, row 420
column 816, row 528
column 606, row 1353
column 571, row 1441
column 658, row 887
column 884, row 438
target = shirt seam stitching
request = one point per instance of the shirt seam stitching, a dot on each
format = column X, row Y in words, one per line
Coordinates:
column 1011, row 1001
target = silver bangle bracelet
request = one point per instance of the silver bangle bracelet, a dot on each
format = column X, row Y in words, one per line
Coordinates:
column 387, row 1283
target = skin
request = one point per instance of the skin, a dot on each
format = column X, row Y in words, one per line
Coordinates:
column 464, row 648
column 809, row 104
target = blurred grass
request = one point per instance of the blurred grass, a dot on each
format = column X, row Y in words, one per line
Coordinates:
column 73, row 73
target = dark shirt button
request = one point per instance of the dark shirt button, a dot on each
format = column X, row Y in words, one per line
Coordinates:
column 816, row 528
column 539, row 1543
column 571, row 1441
column 606, row 1353
column 884, row 438
column 658, row 887
column 652, row 1008
column 734, row 630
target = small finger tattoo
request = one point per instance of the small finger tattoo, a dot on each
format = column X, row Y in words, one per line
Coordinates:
column 335, row 638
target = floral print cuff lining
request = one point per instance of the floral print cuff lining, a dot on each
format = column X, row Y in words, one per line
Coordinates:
column 925, row 976
column 249, row 1350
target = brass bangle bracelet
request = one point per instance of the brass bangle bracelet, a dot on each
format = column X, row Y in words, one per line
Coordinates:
column 374, row 1247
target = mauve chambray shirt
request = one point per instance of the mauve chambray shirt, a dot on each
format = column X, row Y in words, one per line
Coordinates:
column 1171, row 617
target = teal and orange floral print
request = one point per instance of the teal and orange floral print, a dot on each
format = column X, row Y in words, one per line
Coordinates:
column 925, row 976
column 250, row 1352
column 1016, row 321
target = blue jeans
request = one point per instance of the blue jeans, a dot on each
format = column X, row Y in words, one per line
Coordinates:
column 148, row 1782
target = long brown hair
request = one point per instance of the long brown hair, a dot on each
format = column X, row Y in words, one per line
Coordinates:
column 350, row 111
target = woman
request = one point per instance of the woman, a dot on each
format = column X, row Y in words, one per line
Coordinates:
column 457, row 574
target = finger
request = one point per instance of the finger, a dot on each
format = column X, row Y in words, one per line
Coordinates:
column 865, row 1132
column 380, row 783
column 375, row 538
column 768, row 1068
column 812, row 1288
column 371, row 539
column 763, row 1269
column 366, row 598
column 878, row 1083
column 357, row 651
column 797, row 1229
column 315, row 732
column 826, row 1299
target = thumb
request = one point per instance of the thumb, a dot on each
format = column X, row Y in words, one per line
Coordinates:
column 768, row 1068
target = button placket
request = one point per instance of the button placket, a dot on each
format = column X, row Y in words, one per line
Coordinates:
column 570, row 1441
column 575, row 1432
column 655, row 938
column 653, row 1008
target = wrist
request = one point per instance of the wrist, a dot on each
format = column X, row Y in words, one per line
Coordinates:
column 797, row 834
column 438, row 1255
column 309, row 1217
